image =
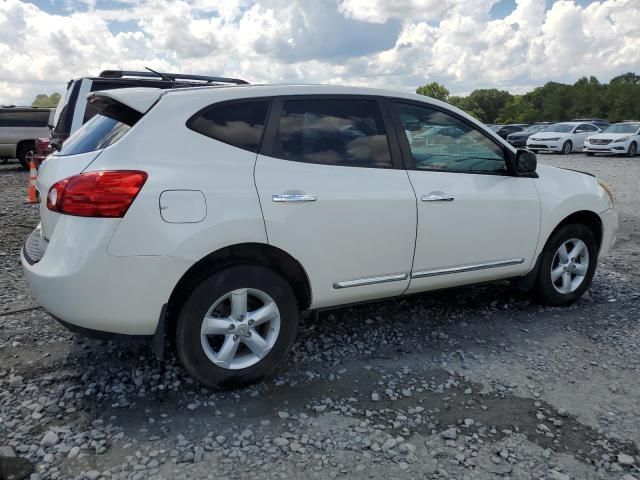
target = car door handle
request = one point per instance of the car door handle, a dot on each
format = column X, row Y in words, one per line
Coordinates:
column 438, row 197
column 293, row 197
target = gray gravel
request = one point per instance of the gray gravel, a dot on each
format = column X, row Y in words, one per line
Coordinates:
column 471, row 383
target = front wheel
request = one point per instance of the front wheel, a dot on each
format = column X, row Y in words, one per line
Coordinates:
column 632, row 150
column 237, row 326
column 567, row 147
column 567, row 265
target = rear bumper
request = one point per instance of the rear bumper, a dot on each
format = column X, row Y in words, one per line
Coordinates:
column 609, row 231
column 78, row 282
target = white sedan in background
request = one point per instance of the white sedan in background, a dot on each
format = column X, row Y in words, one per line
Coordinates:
column 564, row 137
column 616, row 139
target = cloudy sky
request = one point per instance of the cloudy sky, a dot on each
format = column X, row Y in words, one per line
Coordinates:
column 465, row 44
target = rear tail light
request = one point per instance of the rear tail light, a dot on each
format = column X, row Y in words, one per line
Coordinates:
column 96, row 194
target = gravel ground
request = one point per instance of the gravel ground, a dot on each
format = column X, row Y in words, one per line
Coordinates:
column 471, row 383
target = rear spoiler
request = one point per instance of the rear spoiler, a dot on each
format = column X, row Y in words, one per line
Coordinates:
column 139, row 99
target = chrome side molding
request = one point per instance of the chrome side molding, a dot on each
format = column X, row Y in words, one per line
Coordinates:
column 370, row 281
column 466, row 268
column 293, row 197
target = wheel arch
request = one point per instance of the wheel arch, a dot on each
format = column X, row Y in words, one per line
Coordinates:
column 246, row 253
column 585, row 217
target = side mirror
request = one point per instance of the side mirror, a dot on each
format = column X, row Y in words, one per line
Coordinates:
column 526, row 162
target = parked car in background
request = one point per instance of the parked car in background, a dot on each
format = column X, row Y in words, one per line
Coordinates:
column 255, row 208
column 73, row 111
column 519, row 139
column 619, row 138
column 564, row 137
column 19, row 129
column 505, row 130
column 598, row 122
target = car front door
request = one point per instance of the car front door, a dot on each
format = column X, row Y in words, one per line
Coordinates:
column 336, row 197
column 475, row 222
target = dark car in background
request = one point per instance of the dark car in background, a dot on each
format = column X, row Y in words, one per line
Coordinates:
column 519, row 139
column 505, row 130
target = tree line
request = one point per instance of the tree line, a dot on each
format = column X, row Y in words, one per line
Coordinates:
column 555, row 102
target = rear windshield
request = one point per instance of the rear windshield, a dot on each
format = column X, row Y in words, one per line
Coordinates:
column 102, row 130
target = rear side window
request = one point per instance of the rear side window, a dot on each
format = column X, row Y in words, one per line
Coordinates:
column 346, row 132
column 104, row 129
column 24, row 118
column 240, row 124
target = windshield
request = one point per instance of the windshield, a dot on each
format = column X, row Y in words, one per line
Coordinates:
column 623, row 128
column 560, row 128
column 495, row 128
column 102, row 130
column 534, row 128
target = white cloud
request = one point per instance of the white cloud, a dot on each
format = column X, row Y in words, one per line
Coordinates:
column 398, row 44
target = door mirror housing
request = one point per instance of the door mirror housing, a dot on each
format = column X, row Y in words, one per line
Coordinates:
column 522, row 164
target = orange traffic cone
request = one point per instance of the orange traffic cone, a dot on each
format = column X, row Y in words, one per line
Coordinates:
column 32, row 194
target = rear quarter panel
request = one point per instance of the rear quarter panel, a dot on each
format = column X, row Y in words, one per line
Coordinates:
column 176, row 158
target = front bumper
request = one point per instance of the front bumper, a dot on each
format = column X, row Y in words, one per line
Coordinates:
column 614, row 148
column 77, row 281
column 609, row 220
column 518, row 143
column 545, row 145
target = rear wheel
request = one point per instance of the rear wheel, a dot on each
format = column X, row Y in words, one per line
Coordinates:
column 237, row 326
column 633, row 149
column 567, row 147
column 25, row 153
column 567, row 265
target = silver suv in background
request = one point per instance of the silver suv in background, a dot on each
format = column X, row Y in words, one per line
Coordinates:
column 19, row 129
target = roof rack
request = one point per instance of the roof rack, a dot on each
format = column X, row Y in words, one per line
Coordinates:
column 171, row 76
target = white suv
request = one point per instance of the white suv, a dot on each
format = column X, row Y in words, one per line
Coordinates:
column 211, row 216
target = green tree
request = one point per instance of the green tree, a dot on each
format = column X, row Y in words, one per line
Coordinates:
column 44, row 100
column 434, row 90
column 490, row 101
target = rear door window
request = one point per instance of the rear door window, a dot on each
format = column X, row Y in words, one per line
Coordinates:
column 238, row 123
column 104, row 129
column 24, row 118
column 348, row 132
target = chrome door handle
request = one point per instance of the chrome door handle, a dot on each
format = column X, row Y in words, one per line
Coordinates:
column 438, row 197
column 293, row 197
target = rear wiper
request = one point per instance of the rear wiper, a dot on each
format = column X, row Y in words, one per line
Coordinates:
column 163, row 76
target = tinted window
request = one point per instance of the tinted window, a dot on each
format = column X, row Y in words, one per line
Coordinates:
column 102, row 130
column 239, row 123
column 588, row 128
column 559, row 128
column 24, row 118
column 439, row 141
column 333, row 132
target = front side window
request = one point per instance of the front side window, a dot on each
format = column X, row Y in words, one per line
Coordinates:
column 439, row 141
column 348, row 132
column 237, row 123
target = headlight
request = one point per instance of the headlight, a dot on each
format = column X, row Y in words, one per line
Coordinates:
column 623, row 139
column 587, row 140
column 606, row 188
column 554, row 139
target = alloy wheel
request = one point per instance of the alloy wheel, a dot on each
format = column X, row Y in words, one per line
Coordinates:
column 569, row 266
column 240, row 328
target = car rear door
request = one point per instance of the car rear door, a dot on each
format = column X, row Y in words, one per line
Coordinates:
column 335, row 196
column 475, row 222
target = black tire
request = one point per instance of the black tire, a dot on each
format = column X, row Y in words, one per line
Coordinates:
column 25, row 152
column 567, row 147
column 188, row 341
column 544, row 288
column 633, row 149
